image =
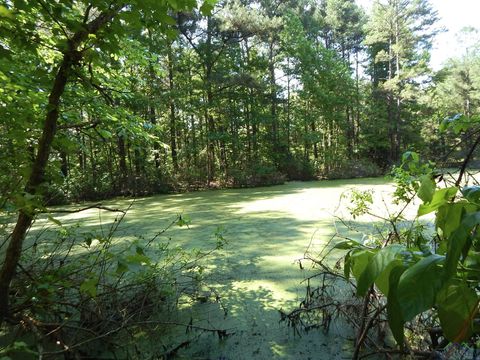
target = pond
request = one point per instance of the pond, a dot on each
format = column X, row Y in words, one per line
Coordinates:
column 257, row 273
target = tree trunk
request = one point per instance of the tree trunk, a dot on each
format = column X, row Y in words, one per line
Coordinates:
column 273, row 99
column 156, row 148
column 315, row 147
column 122, row 163
column 208, row 115
column 71, row 57
column 173, row 125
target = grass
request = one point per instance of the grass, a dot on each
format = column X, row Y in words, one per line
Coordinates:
column 257, row 273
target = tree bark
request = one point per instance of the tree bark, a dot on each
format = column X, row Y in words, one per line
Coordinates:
column 173, row 122
column 273, row 97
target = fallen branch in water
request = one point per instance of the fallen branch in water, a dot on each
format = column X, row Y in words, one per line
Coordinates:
column 95, row 206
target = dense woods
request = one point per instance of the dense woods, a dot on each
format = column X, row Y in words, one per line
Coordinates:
column 104, row 98
column 253, row 93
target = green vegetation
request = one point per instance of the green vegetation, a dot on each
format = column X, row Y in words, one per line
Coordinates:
column 103, row 99
column 419, row 276
column 255, row 273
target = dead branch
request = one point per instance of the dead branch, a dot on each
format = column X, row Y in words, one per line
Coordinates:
column 95, row 206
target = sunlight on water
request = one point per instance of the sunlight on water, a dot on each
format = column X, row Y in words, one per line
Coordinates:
column 257, row 272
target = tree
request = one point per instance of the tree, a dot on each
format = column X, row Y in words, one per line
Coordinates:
column 78, row 28
column 399, row 35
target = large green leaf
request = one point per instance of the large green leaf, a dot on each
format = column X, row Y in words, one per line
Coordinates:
column 459, row 241
column 440, row 197
column 472, row 194
column 376, row 266
column 346, row 245
column 449, row 216
column 418, row 285
column 394, row 310
column 456, row 243
column 457, row 306
column 359, row 261
column 383, row 280
column 427, row 188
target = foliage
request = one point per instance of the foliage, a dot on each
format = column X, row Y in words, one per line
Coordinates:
column 92, row 295
column 352, row 169
column 100, row 99
column 206, row 105
column 414, row 275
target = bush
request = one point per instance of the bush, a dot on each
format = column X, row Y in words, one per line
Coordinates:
column 418, row 276
column 84, row 296
column 257, row 175
column 353, row 169
column 298, row 168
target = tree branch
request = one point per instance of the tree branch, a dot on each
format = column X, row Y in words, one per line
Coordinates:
column 466, row 161
column 95, row 206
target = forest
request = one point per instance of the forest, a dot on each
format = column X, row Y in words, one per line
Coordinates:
column 105, row 101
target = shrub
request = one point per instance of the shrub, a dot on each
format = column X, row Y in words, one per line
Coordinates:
column 420, row 278
column 85, row 296
column 353, row 169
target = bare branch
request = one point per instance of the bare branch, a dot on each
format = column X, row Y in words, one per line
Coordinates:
column 95, row 206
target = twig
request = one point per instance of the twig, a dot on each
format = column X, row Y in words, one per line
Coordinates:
column 466, row 161
column 37, row 334
column 363, row 326
column 95, row 206
column 53, row 18
column 417, row 353
column 169, row 354
column 83, row 126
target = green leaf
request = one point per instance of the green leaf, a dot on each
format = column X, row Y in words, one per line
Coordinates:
column 89, row 287
column 376, row 266
column 410, row 156
column 394, row 310
column 447, row 122
column 472, row 194
column 55, row 221
column 360, row 260
column 167, row 19
column 418, row 285
column 138, row 259
column 470, row 220
column 449, row 216
column 122, row 267
column 457, row 307
column 460, row 241
column 458, row 123
column 440, row 197
column 105, row 134
column 383, row 280
column 183, row 220
column 206, row 8
column 171, row 34
column 4, row 12
column 174, row 4
column 427, row 188
column 455, row 245
column 346, row 245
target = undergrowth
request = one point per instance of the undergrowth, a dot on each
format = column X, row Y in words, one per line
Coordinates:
column 93, row 296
